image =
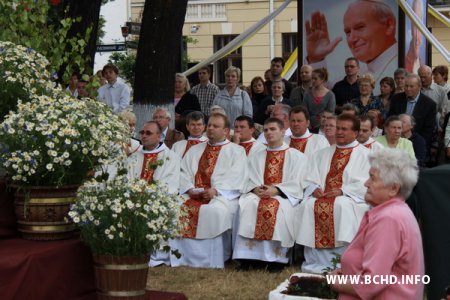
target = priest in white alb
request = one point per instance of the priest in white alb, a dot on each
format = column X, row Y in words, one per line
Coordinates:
column 244, row 128
column 333, row 204
column 144, row 163
column 195, row 124
column 212, row 177
column 268, row 210
column 301, row 139
column 365, row 138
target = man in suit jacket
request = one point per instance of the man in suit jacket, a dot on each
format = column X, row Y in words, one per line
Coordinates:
column 168, row 135
column 421, row 107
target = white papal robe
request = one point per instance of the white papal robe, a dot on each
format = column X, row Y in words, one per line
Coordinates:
column 210, row 246
column 347, row 209
column 372, row 145
column 168, row 173
column 181, row 147
column 252, row 146
column 309, row 143
column 255, row 239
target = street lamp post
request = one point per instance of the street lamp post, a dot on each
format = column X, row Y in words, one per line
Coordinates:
column 125, row 32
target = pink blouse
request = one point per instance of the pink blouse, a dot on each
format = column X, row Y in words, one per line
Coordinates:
column 388, row 242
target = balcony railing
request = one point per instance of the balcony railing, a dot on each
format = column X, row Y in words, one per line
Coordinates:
column 206, row 12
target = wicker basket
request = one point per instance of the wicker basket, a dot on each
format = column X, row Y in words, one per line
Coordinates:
column 121, row 277
column 42, row 212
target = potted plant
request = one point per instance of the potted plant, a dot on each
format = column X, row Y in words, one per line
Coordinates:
column 48, row 147
column 123, row 221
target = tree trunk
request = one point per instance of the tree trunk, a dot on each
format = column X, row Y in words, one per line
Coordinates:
column 89, row 11
column 157, row 56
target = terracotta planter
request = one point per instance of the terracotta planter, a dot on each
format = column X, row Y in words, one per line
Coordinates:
column 42, row 212
column 121, row 277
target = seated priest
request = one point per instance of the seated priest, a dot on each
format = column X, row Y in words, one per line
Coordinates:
column 195, row 125
column 366, row 129
column 267, row 212
column 333, row 204
column 139, row 164
column 244, row 129
column 301, row 139
column 212, row 177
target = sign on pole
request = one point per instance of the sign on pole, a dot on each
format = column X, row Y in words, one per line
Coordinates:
column 111, row 47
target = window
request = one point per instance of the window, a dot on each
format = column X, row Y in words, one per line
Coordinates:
column 232, row 59
column 288, row 45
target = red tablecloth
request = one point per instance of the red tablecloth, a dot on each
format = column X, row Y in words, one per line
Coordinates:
column 45, row 270
column 52, row 271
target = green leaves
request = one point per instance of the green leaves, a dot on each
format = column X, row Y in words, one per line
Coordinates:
column 29, row 23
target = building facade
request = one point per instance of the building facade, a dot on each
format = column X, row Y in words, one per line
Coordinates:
column 211, row 24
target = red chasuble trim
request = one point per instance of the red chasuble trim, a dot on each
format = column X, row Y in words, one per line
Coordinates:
column 189, row 144
column 369, row 146
column 299, row 143
column 147, row 172
column 266, row 215
column 324, row 207
column 247, row 146
column 206, row 167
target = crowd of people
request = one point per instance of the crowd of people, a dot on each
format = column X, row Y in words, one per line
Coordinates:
column 261, row 170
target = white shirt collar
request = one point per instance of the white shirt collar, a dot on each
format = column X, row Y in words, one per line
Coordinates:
column 158, row 149
column 201, row 138
column 351, row 145
column 281, row 148
column 369, row 141
column 307, row 134
column 252, row 140
column 219, row 143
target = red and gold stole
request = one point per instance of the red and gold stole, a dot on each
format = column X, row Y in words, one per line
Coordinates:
column 205, row 169
column 147, row 172
column 247, row 146
column 299, row 143
column 189, row 144
column 266, row 215
column 324, row 207
column 369, row 146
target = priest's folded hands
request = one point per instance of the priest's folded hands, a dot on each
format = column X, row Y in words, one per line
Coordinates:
column 265, row 191
column 205, row 195
column 319, row 193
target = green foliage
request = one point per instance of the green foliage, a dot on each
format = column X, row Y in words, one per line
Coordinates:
column 36, row 25
column 185, row 59
column 100, row 31
column 126, row 64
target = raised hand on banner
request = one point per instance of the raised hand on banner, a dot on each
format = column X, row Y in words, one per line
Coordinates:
column 318, row 44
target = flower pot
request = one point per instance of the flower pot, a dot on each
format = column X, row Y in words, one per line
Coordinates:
column 120, row 277
column 42, row 212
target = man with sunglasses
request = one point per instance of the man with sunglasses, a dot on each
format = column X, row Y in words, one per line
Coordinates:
column 141, row 163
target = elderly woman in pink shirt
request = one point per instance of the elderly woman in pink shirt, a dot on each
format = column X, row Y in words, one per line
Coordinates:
column 388, row 243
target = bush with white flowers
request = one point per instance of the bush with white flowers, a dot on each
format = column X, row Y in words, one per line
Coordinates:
column 55, row 141
column 125, row 217
column 23, row 73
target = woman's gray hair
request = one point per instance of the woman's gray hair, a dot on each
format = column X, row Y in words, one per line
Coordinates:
column 233, row 69
column 396, row 167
